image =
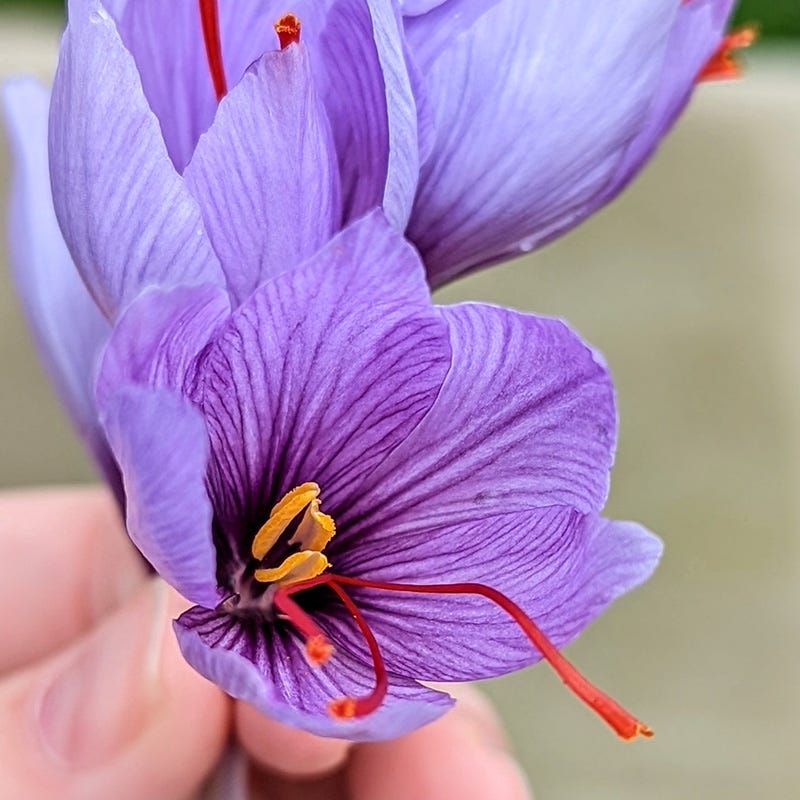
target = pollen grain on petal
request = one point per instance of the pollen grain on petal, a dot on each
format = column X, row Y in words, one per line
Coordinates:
column 288, row 30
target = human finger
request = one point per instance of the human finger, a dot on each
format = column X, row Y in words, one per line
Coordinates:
column 117, row 714
column 287, row 751
column 459, row 755
column 65, row 561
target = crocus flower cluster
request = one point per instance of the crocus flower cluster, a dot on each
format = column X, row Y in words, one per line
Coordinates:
column 358, row 490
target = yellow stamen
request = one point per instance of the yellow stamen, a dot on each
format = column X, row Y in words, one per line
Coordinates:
column 297, row 567
column 315, row 529
column 290, row 505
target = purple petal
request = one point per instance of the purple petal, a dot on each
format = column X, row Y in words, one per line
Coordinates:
column 534, row 106
column 525, row 419
column 265, row 174
column 68, row 327
column 561, row 567
column 371, row 105
column 126, row 216
column 321, row 374
column 415, row 7
column 266, row 666
column 696, row 36
column 157, row 339
column 166, row 40
column 161, row 445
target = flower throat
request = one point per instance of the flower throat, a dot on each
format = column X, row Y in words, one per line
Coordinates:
column 306, row 567
column 287, row 28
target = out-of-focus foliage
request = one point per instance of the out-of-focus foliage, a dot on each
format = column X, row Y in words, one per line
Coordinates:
column 774, row 17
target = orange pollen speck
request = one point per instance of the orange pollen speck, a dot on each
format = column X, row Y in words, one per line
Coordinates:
column 288, row 30
column 343, row 708
column 723, row 64
column 318, row 650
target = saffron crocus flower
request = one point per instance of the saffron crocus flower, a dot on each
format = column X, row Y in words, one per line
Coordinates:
column 309, row 134
column 542, row 112
column 360, row 490
column 322, row 108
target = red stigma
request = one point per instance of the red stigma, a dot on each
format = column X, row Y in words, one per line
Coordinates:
column 624, row 723
column 723, row 64
column 288, row 30
column 209, row 18
column 318, row 646
column 349, row 707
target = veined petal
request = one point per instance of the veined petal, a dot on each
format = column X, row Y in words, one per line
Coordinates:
column 525, row 419
column 68, row 327
column 534, row 104
column 371, row 105
column 698, row 31
column 265, row 174
column 158, row 338
column 265, row 665
column 166, row 40
column 561, row 567
column 126, row 216
column 320, row 375
column 161, row 445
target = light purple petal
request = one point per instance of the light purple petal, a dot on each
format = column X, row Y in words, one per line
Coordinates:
column 320, row 375
column 368, row 95
column 415, row 7
column 534, row 106
column 161, row 445
column 158, row 338
column 127, row 218
column 265, row 174
column 265, row 665
column 525, row 419
column 431, row 33
column 562, row 568
column 68, row 327
column 697, row 34
column 166, row 40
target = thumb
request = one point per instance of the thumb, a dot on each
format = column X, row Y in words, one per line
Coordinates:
column 118, row 714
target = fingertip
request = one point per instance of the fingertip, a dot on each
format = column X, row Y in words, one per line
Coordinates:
column 456, row 756
column 119, row 713
column 285, row 750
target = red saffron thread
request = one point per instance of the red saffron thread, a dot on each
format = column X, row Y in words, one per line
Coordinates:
column 209, row 18
column 318, row 646
column 624, row 723
column 723, row 64
column 348, row 707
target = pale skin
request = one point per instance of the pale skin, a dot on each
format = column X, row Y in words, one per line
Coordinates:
column 96, row 700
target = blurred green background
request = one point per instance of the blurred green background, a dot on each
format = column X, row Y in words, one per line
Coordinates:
column 776, row 18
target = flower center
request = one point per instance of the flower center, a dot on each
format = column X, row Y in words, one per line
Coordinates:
column 306, row 569
column 287, row 28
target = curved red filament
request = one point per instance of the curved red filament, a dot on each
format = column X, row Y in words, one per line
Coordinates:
column 349, row 707
column 209, row 18
column 624, row 723
column 318, row 646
